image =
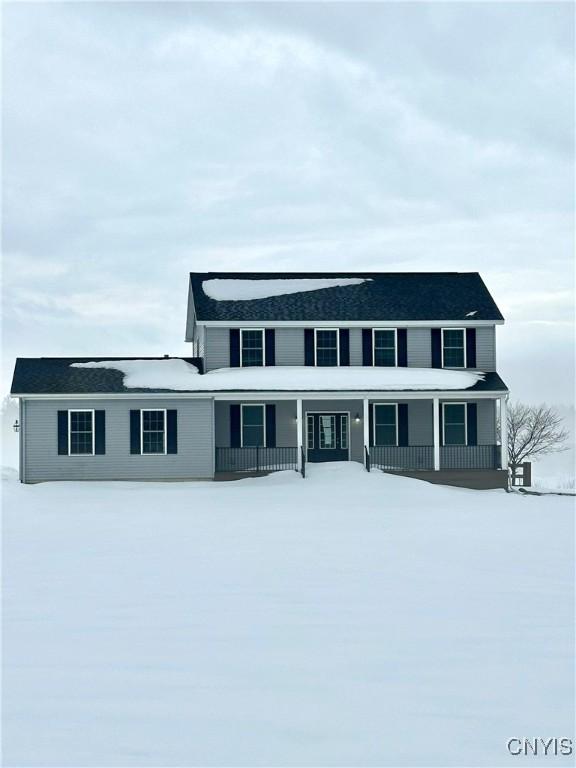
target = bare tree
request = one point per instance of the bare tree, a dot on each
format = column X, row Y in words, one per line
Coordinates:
column 533, row 430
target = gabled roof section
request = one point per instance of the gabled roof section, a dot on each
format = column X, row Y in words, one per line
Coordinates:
column 367, row 296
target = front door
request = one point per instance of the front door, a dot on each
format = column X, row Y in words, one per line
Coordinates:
column 327, row 436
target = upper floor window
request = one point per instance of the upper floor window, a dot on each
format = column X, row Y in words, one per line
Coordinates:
column 327, row 351
column 455, row 427
column 251, row 347
column 81, row 433
column 384, row 345
column 253, row 425
column 453, row 348
column 386, row 424
column 153, row 426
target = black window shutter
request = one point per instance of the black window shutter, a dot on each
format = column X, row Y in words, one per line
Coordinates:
column 344, row 346
column 309, row 346
column 270, row 343
column 367, row 346
column 234, row 347
column 100, row 432
column 470, row 347
column 402, row 340
column 402, row 423
column 135, row 432
column 472, row 417
column 172, row 431
column 370, row 425
column 235, row 425
column 62, row 433
column 436, row 347
column 270, row 425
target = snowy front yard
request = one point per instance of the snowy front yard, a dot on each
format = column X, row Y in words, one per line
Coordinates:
column 351, row 619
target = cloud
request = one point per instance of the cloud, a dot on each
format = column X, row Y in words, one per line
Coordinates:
column 144, row 140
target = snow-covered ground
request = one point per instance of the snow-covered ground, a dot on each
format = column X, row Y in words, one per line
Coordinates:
column 349, row 619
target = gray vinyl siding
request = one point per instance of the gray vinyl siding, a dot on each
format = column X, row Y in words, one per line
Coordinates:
column 194, row 460
column 486, row 422
column 286, row 434
column 217, row 348
column 486, row 348
column 420, row 422
column 289, row 346
column 419, row 343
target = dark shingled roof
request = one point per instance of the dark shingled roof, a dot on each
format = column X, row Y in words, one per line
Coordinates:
column 390, row 296
column 54, row 376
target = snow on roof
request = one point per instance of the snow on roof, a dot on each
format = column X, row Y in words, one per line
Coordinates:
column 179, row 375
column 246, row 290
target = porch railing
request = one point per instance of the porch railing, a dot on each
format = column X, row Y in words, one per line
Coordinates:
column 412, row 457
column 470, row 457
column 402, row 457
column 256, row 459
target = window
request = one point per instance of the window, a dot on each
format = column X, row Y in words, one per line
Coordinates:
column 153, row 425
column 386, row 424
column 344, row 432
column 327, row 431
column 327, row 352
column 253, row 426
column 384, row 342
column 455, row 424
column 81, row 433
column 310, row 431
column 453, row 348
column 251, row 347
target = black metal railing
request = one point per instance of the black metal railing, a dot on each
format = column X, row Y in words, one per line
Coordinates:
column 401, row 457
column 367, row 458
column 470, row 457
column 302, row 462
column 256, row 459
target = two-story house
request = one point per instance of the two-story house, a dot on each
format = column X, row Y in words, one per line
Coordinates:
column 393, row 370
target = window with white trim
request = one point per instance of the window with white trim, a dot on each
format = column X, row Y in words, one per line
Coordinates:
column 344, row 432
column 310, row 431
column 386, row 424
column 81, row 433
column 253, row 426
column 251, row 347
column 384, row 341
column 453, row 348
column 455, row 426
column 327, row 347
column 153, row 425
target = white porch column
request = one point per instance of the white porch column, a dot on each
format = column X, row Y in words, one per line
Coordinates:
column 436, row 410
column 299, row 431
column 504, row 432
column 366, row 423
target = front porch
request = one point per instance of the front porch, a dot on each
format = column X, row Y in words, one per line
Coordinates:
column 395, row 432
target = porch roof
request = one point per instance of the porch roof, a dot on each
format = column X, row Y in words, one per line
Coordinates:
column 82, row 376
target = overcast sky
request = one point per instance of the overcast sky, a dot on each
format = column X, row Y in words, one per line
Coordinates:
column 143, row 141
